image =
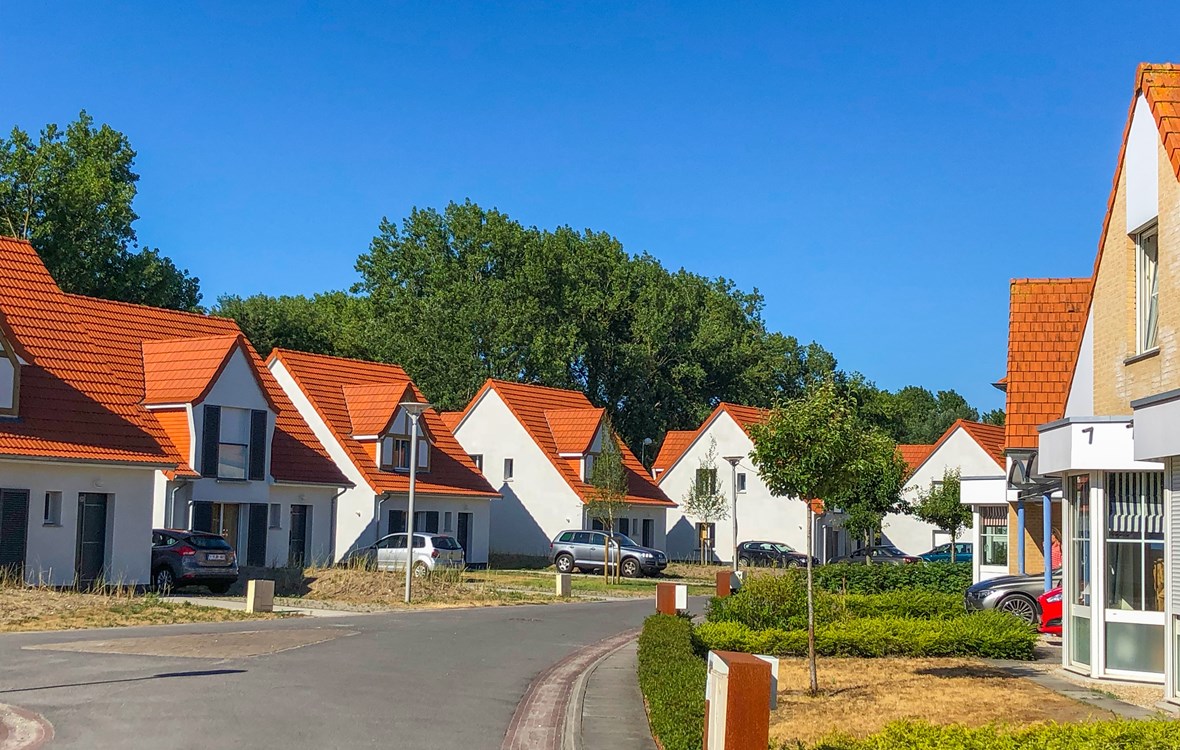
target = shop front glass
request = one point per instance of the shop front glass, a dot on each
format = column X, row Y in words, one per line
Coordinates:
column 1134, row 572
column 1079, row 570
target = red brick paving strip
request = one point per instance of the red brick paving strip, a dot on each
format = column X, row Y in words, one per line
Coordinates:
column 540, row 717
column 23, row 730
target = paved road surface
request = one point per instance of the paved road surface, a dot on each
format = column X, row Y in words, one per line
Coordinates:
column 438, row 679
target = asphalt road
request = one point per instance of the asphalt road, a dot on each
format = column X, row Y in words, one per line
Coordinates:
column 426, row 679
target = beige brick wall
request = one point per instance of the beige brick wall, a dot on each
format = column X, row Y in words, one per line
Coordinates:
column 1117, row 383
column 1034, row 540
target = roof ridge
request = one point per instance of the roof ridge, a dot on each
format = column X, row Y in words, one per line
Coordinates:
column 537, row 385
column 155, row 308
column 1057, row 280
column 337, row 357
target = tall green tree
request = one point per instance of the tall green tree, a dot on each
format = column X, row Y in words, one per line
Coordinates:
column 69, row 192
column 994, row 416
column 807, row 449
column 873, row 490
column 942, row 506
column 333, row 323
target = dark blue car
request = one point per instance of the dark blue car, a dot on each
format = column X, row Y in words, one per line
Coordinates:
column 964, row 552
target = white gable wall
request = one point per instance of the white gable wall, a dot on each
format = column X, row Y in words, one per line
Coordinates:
column 537, row 502
column 1081, row 391
column 959, row 451
column 761, row 516
column 1142, row 164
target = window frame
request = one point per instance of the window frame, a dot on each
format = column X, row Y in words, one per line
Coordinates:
column 741, row 482
column 509, row 469
column 1146, row 299
column 222, row 443
column 51, row 513
column 274, row 516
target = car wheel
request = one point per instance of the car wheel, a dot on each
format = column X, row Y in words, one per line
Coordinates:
column 564, row 563
column 743, row 562
column 420, row 569
column 1021, row 606
column 793, row 563
column 219, row 588
column 163, row 581
column 631, row 568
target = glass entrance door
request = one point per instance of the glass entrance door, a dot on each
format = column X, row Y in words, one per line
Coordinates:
column 1077, row 584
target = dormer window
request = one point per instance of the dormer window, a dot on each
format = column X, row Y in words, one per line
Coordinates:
column 588, row 466
column 9, row 380
column 1147, row 288
column 395, row 453
column 234, row 443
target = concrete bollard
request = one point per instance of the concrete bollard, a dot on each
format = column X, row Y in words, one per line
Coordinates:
column 260, row 596
column 740, row 692
column 564, row 585
column 671, row 598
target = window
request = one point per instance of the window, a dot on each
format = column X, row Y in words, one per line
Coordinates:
column 395, row 453
column 567, row 537
column 583, row 537
column 426, row 521
column 741, row 481
column 993, row 535
column 1135, row 541
column 477, row 459
column 508, row 469
column 396, row 521
column 1148, row 287
column 623, row 525
column 233, row 451
column 447, row 521
column 276, row 516
column 52, row 509
column 588, row 467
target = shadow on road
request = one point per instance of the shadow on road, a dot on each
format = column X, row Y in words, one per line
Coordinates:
column 160, row 676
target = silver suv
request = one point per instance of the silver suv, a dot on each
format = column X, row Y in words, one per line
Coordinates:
column 431, row 552
column 584, row 550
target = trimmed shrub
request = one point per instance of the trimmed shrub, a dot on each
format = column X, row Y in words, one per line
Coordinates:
column 916, row 604
column 1098, row 735
column 858, row 578
column 995, row 635
column 672, row 678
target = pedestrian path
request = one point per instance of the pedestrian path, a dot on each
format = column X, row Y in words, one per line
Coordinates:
column 613, row 715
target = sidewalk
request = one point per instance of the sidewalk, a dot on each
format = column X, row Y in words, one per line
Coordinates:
column 613, row 715
column 239, row 604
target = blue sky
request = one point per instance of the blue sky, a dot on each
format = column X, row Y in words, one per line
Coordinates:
column 878, row 171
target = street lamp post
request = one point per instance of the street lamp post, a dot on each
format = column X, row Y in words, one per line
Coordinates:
column 414, row 409
column 643, row 452
column 733, row 462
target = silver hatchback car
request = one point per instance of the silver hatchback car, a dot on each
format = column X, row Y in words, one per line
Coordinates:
column 431, row 552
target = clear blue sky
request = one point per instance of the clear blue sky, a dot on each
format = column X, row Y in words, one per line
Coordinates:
column 878, row 171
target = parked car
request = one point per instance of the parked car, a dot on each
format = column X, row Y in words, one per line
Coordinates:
column 431, row 552
column 771, row 554
column 885, row 554
column 964, row 552
column 1015, row 594
column 192, row 558
column 584, row 550
column 1050, row 603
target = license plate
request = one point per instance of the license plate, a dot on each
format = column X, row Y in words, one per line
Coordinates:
column 217, row 558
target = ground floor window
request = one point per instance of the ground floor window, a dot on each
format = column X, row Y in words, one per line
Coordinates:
column 993, row 534
column 1135, row 541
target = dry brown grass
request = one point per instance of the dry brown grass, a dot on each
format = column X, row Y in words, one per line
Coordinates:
column 375, row 589
column 860, row 696
column 40, row 608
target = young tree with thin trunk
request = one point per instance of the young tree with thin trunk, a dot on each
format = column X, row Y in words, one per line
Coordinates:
column 876, row 480
column 941, row 505
column 804, row 450
column 705, row 500
column 608, row 500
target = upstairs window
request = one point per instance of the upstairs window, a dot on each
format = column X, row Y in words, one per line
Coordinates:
column 477, row 459
column 233, row 443
column 707, row 481
column 9, row 381
column 509, row 468
column 395, row 453
column 233, row 451
column 1148, row 288
column 741, row 481
column 588, row 467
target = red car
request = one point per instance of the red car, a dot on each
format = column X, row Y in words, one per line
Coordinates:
column 1051, row 612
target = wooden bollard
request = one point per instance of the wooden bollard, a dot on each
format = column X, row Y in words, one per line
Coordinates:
column 724, row 583
column 740, row 693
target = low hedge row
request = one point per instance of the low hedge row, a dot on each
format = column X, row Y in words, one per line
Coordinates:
column 1099, row 735
column 780, row 601
column 672, row 678
column 995, row 635
column 858, row 578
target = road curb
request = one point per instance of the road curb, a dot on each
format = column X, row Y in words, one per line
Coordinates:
column 542, row 720
column 571, row 729
column 21, row 729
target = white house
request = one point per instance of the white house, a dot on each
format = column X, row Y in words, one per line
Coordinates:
column 353, row 409
column 97, row 432
column 537, row 446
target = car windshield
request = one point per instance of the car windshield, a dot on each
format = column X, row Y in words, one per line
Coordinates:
column 783, row 547
column 624, row 540
column 889, row 552
column 208, row 542
column 446, row 542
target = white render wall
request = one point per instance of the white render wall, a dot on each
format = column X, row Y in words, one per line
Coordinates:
column 51, row 550
column 278, row 541
column 958, row 451
column 761, row 516
column 480, row 509
column 537, row 503
column 1142, row 160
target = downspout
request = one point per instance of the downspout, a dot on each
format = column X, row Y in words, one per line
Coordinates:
column 1048, row 540
column 1020, row 536
column 332, row 525
column 377, row 502
column 170, row 509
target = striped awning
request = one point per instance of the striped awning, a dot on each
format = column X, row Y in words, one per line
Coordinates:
column 993, row 515
column 1135, row 503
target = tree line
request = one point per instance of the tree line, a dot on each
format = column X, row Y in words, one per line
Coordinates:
column 460, row 294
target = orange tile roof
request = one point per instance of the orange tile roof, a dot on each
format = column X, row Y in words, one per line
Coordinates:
column 371, row 406
column 531, row 403
column 1046, row 318
column 118, row 329
column 574, row 429
column 324, row 379
column 181, row 371
column 915, row 455
column 72, row 405
column 745, row 416
column 451, row 419
column 675, row 443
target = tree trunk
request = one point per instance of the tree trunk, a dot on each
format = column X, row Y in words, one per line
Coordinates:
column 953, row 537
column 811, row 607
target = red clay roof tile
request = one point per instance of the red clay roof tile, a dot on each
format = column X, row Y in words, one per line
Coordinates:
column 745, row 416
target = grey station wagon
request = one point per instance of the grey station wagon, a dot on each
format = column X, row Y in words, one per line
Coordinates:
column 584, row 550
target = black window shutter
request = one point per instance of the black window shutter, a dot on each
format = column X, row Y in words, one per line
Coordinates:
column 210, row 441
column 202, row 519
column 257, row 445
column 397, row 521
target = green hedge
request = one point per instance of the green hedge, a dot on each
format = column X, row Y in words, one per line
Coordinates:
column 858, row 578
column 995, row 635
column 917, row 604
column 1099, row 735
column 672, row 678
